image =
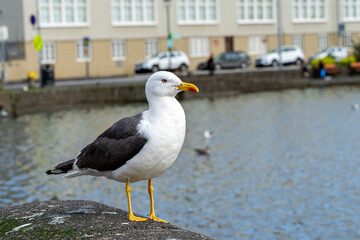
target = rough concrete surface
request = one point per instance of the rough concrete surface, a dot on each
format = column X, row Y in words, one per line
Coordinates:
column 76, row 219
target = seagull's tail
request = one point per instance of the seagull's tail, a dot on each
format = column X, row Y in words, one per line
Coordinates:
column 62, row 167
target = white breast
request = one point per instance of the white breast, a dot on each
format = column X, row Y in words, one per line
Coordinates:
column 164, row 127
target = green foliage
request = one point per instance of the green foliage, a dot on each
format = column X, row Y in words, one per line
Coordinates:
column 357, row 51
column 39, row 232
column 6, row 225
column 326, row 60
column 347, row 61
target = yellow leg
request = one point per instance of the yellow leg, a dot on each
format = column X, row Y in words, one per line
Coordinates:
column 152, row 210
column 131, row 215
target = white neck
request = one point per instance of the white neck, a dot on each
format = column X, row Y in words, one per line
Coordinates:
column 164, row 114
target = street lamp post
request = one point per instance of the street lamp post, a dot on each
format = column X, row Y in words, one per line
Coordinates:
column 169, row 39
column 3, row 52
column 279, row 33
column 39, row 33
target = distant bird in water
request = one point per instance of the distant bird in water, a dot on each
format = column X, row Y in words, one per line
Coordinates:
column 208, row 134
column 205, row 151
column 355, row 106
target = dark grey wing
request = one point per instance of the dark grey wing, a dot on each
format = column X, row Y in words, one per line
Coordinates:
column 123, row 128
column 114, row 147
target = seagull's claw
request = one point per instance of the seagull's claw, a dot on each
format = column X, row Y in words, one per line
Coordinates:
column 155, row 218
column 133, row 218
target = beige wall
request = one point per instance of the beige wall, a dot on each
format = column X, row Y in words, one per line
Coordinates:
column 241, row 43
column 332, row 39
column 217, row 45
column 310, row 44
column 356, row 36
column 66, row 65
column 272, row 42
column 18, row 69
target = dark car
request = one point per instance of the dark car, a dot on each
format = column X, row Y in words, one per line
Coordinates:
column 234, row 59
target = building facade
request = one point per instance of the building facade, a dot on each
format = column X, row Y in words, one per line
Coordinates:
column 120, row 33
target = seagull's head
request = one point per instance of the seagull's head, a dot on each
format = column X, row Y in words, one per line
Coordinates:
column 165, row 83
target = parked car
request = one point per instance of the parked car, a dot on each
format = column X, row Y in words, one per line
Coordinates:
column 233, row 59
column 337, row 52
column 174, row 60
column 289, row 55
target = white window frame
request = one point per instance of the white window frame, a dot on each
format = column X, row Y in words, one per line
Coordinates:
column 50, row 5
column 355, row 7
column 118, row 49
column 246, row 4
column 347, row 40
column 298, row 40
column 323, row 41
column 257, row 45
column 308, row 5
column 48, row 53
column 207, row 4
column 80, row 48
column 199, row 47
column 151, row 47
column 121, row 4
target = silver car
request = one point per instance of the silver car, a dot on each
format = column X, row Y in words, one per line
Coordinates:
column 289, row 55
column 174, row 60
column 337, row 52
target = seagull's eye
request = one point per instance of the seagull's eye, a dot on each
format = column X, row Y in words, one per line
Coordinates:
column 164, row 81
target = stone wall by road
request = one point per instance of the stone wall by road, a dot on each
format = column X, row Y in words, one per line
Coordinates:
column 55, row 98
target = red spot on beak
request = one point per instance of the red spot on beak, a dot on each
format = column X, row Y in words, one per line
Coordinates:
column 192, row 90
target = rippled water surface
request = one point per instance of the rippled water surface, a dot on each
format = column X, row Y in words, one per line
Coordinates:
column 284, row 165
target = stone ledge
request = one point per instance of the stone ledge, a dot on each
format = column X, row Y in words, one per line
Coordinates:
column 77, row 219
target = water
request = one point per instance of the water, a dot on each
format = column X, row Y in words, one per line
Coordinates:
column 284, row 165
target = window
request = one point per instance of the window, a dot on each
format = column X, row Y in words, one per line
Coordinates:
column 351, row 10
column 298, row 41
column 14, row 50
column 133, row 12
column 347, row 38
column 47, row 53
column 83, row 53
column 118, row 50
column 257, row 45
column 323, row 41
column 199, row 47
column 151, row 48
column 255, row 11
column 308, row 10
column 62, row 13
column 197, row 11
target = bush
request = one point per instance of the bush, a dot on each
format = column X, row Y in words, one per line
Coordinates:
column 347, row 61
column 326, row 60
column 357, row 51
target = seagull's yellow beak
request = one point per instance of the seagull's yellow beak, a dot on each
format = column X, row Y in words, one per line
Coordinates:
column 187, row 87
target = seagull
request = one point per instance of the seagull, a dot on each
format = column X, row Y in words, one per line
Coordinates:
column 355, row 106
column 207, row 135
column 140, row 147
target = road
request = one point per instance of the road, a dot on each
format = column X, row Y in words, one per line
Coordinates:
column 116, row 80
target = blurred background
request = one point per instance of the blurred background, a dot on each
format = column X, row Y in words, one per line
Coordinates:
column 84, row 38
column 265, row 165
